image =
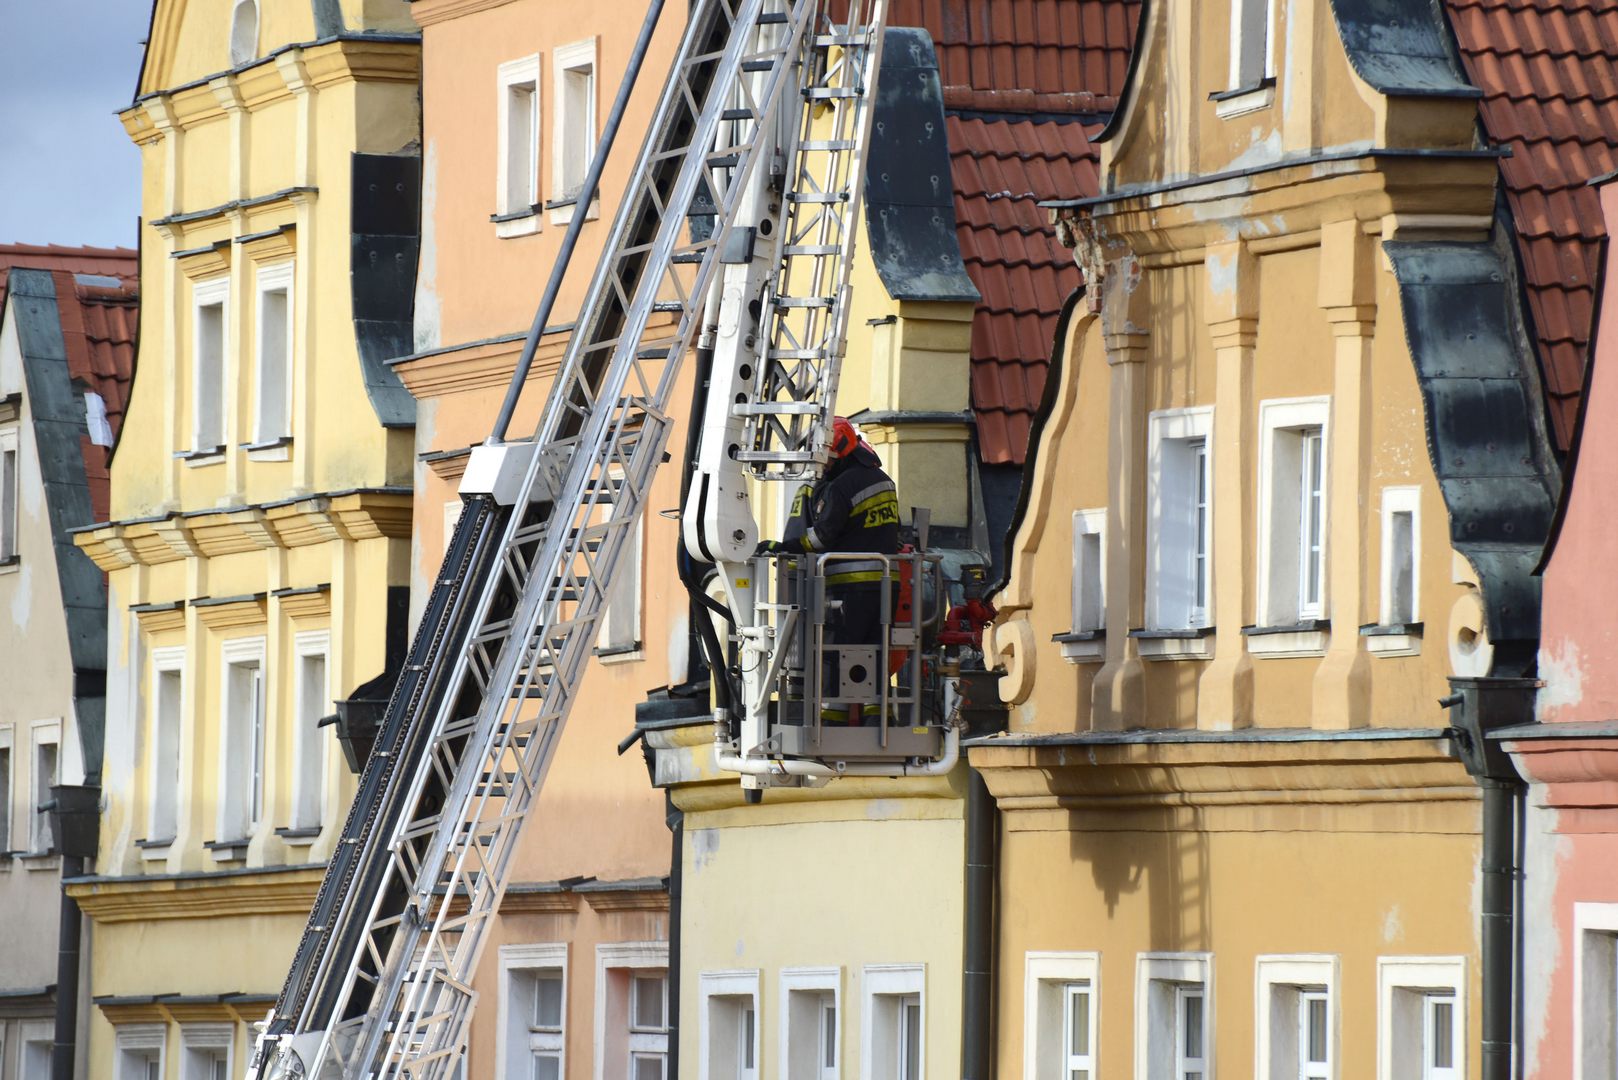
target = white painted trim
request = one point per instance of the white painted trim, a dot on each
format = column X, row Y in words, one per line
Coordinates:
column 1058, row 968
column 309, row 644
column 273, row 277
column 1163, row 427
column 167, row 660
column 818, row 980
column 1417, row 973
column 1173, row 968
column 9, row 440
column 542, row 956
column 522, row 71
column 1275, row 417
column 213, row 1036
column 137, row 1038
column 889, row 980
column 565, row 59
column 1242, row 104
column 214, row 291
column 1595, row 926
column 1395, row 500
column 1294, row 971
column 1089, row 523
column 727, row 983
column 243, row 651
column 618, row 955
column 41, row 733
column 7, row 825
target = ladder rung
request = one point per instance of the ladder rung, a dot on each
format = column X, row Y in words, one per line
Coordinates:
column 779, row 457
column 737, row 114
column 821, row 197
column 724, row 161
column 811, row 249
column 667, row 306
column 758, row 65
column 779, row 408
column 827, row 145
column 773, row 18
column 805, row 301
column 687, row 258
column 797, row 354
column 862, row 37
column 827, row 93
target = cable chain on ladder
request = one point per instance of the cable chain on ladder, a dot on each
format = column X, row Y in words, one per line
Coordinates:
column 524, row 665
column 796, row 386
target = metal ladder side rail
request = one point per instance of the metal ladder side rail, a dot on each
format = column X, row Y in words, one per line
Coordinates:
column 690, row 306
column 795, row 386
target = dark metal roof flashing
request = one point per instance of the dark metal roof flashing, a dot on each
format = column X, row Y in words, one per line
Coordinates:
column 910, row 193
column 1401, row 47
column 1487, row 433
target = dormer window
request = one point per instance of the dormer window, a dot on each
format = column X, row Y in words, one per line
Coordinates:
column 244, row 33
column 1252, row 59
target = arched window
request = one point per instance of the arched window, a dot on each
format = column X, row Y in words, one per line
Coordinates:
column 244, row 32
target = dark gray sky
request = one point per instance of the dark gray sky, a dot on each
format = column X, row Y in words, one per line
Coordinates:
column 68, row 173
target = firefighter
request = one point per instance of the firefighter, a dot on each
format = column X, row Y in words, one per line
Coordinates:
column 852, row 507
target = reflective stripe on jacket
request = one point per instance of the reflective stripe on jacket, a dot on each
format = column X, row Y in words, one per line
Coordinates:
column 854, row 507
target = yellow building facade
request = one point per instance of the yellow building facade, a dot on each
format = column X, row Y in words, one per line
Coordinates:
column 1261, row 535
column 258, row 548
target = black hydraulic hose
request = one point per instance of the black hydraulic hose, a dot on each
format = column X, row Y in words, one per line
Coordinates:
column 592, row 181
column 712, row 648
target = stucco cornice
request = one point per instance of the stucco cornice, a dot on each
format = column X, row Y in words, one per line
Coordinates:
column 428, row 12
column 290, row 892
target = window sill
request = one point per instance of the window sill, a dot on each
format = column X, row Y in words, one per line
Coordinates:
column 1304, row 638
column 1398, row 639
column 155, row 849
column 562, row 210
column 227, row 850
column 10, row 565
column 269, row 450
column 197, row 458
column 1082, row 646
column 619, row 654
column 299, row 837
column 1187, row 643
column 524, row 222
column 1244, row 99
column 39, row 860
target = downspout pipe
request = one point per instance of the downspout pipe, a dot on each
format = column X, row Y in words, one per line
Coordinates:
column 75, row 811
column 978, row 944
column 1481, row 706
column 675, row 818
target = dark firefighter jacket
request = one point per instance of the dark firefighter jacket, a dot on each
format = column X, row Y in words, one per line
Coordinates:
column 853, row 507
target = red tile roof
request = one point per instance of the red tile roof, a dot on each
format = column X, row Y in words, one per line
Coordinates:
column 98, row 305
column 1548, row 70
column 1026, row 82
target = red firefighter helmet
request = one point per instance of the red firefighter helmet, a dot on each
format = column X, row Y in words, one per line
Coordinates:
column 843, row 438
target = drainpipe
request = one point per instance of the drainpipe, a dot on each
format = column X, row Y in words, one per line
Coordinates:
column 75, row 811
column 1483, row 705
column 984, row 714
column 675, row 817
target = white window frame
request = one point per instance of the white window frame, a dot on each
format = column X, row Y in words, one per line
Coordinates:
column 1279, row 983
column 1243, row 22
column 886, row 986
column 311, row 756
column 33, row 1033
column 271, row 278
column 1595, row 989
column 1046, row 977
column 1403, row 499
column 243, row 652
column 243, row 35
column 214, row 291
column 1157, row 977
column 165, row 661
column 1088, row 596
column 633, row 957
column 1419, row 975
column 567, row 60
column 1171, row 433
column 8, row 787
column 42, row 733
column 1281, row 528
column 622, row 602
column 726, row 984
column 10, row 499
column 524, row 959
column 206, row 1039
column 511, row 75
column 817, row 982
column 140, row 1039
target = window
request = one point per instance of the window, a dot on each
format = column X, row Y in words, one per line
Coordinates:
column 5, row 789
column 308, row 740
column 1089, row 576
column 1595, row 982
column 208, row 366
column 1421, row 1018
column 273, row 390
column 46, row 771
column 10, row 477
column 1180, row 520
column 632, row 1010
column 810, row 1046
column 894, row 1022
column 241, row 798
column 167, row 687
column 1174, row 1017
column 205, row 1051
column 1297, row 1022
column 37, row 1039
column 243, row 33
column 575, row 72
column 1292, row 511
column 1251, row 61
column 728, row 1004
column 1061, row 1013
column 518, row 193
column 533, row 1012
column 138, row 1051
column 619, row 629
column 1401, row 539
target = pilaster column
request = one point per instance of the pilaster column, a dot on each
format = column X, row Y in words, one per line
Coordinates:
column 169, row 306
column 1118, row 694
column 1225, row 691
column 1342, row 687
column 304, row 301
